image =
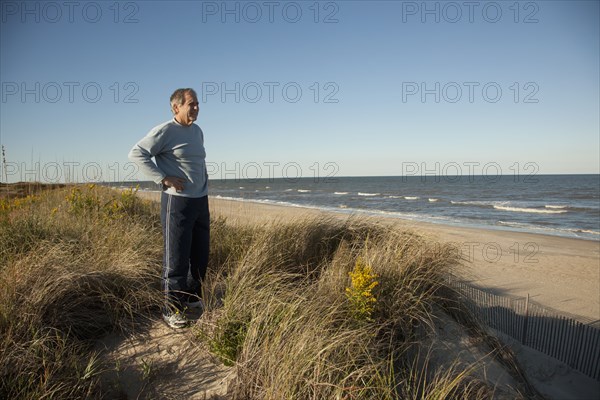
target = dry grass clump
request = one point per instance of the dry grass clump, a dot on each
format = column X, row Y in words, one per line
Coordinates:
column 73, row 267
column 330, row 310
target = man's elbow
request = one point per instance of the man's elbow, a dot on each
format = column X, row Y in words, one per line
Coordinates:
column 134, row 154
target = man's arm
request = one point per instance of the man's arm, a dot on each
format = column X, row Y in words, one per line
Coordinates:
column 141, row 154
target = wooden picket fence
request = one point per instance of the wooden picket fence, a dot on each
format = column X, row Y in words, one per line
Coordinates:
column 570, row 339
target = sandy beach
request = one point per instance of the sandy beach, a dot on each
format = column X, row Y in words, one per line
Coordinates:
column 557, row 272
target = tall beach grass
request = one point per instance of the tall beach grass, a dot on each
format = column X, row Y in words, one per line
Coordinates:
column 76, row 263
column 332, row 309
column 310, row 309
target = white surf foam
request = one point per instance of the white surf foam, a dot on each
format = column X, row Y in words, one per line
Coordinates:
column 368, row 194
column 529, row 210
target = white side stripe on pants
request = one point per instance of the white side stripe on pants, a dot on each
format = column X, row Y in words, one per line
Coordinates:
column 167, row 251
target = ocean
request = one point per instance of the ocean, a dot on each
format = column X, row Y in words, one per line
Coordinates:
column 561, row 205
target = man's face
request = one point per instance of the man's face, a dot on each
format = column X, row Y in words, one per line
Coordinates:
column 187, row 113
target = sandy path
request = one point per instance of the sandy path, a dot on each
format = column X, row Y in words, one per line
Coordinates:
column 162, row 363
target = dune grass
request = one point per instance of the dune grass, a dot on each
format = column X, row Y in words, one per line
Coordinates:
column 324, row 309
column 75, row 263
column 311, row 309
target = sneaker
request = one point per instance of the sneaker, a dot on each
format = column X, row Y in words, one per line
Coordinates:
column 175, row 321
column 198, row 303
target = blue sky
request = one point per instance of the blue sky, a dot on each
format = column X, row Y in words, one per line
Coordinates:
column 350, row 88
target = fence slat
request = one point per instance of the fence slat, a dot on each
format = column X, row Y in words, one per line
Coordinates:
column 569, row 342
column 596, row 355
column 525, row 320
column 557, row 338
column 586, row 348
column 592, row 351
column 561, row 341
column 575, row 345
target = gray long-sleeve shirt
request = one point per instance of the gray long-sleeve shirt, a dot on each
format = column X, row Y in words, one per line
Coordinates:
column 178, row 151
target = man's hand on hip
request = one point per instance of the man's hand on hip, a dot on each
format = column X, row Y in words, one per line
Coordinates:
column 174, row 182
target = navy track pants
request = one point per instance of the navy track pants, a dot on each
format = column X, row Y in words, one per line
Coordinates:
column 186, row 237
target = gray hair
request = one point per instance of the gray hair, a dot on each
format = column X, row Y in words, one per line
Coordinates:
column 178, row 97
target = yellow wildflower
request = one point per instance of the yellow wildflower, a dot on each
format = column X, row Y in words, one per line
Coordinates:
column 360, row 293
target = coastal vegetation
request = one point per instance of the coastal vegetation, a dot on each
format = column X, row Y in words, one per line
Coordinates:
column 75, row 264
column 308, row 309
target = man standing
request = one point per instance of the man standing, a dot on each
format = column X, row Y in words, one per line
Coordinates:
column 178, row 149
